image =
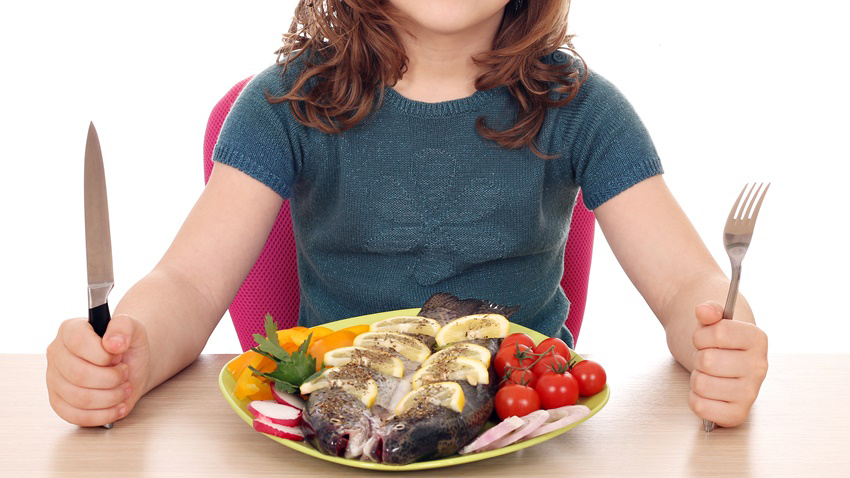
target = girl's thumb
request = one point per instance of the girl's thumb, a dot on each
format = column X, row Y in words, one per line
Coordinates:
column 119, row 334
column 709, row 312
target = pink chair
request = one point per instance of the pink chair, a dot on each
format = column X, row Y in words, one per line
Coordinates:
column 272, row 284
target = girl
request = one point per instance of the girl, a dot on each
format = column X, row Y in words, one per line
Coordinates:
column 424, row 146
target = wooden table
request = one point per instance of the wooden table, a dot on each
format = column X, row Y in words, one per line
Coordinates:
column 800, row 426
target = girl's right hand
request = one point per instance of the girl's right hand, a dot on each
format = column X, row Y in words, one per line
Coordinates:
column 92, row 381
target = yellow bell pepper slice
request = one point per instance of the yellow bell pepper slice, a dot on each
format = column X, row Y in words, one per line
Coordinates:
column 341, row 338
column 357, row 329
column 295, row 335
column 246, row 385
column 264, row 393
column 317, row 333
column 236, row 366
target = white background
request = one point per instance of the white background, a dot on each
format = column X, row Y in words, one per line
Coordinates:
column 731, row 91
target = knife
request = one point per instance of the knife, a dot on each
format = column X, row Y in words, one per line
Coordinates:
column 98, row 240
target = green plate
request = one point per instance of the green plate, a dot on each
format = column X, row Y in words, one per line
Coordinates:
column 227, row 383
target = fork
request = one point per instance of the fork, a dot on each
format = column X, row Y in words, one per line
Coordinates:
column 736, row 238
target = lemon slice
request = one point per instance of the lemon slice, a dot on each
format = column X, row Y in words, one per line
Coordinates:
column 354, row 380
column 406, row 345
column 444, row 394
column 461, row 368
column 473, row 327
column 407, row 324
column 375, row 359
column 452, row 352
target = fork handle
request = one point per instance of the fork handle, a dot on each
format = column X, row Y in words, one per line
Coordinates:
column 728, row 311
column 732, row 297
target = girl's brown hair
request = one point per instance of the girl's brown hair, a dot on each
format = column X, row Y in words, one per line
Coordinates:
column 359, row 54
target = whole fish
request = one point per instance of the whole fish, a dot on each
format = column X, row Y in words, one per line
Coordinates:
column 337, row 423
column 431, row 431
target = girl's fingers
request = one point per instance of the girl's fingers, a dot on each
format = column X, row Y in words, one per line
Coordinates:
column 733, row 390
column 82, row 341
column 727, row 334
column 87, row 418
column 725, row 414
column 85, row 374
column 709, row 312
column 723, row 362
column 87, row 398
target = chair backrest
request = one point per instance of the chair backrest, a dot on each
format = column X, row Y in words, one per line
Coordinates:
column 272, row 285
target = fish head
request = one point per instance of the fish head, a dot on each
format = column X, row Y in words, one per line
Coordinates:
column 336, row 423
column 421, row 433
column 332, row 441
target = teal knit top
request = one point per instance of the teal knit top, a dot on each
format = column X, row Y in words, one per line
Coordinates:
column 413, row 201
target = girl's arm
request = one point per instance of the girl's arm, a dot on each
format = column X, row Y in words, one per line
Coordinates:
column 162, row 323
column 183, row 298
column 670, row 266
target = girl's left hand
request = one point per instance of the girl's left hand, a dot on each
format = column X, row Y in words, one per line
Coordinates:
column 730, row 364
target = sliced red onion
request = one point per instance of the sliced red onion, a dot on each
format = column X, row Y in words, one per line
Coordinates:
column 560, row 418
column 506, row 426
column 533, row 421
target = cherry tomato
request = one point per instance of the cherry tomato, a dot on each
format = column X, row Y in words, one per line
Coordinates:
column 559, row 345
column 519, row 338
column 508, row 357
column 590, row 376
column 549, row 362
column 520, row 376
column 557, row 390
column 516, row 400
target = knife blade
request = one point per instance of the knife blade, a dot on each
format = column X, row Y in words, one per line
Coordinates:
column 98, row 239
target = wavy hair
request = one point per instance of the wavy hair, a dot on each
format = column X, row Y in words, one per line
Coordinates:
column 355, row 52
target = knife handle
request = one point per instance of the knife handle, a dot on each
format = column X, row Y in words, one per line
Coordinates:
column 99, row 318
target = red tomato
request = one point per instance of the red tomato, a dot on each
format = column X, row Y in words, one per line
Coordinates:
column 557, row 390
column 508, row 357
column 520, row 376
column 516, row 400
column 590, row 376
column 559, row 345
column 549, row 362
column 519, row 338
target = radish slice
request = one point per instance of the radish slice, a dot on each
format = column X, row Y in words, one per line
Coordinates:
column 280, row 431
column 508, row 425
column 289, row 399
column 559, row 418
column 533, row 421
column 273, row 412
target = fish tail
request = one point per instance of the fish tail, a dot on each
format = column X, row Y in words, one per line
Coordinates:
column 443, row 302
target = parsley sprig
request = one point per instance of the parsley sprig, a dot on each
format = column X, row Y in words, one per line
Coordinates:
column 292, row 369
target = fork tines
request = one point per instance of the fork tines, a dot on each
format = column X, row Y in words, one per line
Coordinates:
column 743, row 213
